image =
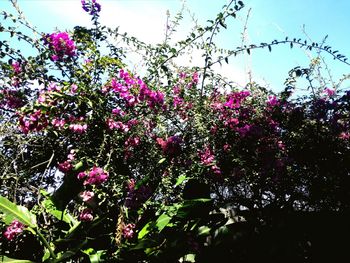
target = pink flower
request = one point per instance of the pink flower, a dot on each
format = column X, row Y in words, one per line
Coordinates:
column 132, row 141
column 73, row 88
column 131, row 184
column 182, row 75
column 13, row 230
column 243, row 131
column 86, row 215
column 216, row 170
column 195, row 78
column 58, row 123
column 128, row 231
column 273, row 101
column 329, row 92
column 61, row 44
column 172, row 146
column 65, row 167
column 16, row 67
column 235, row 99
column 78, row 128
column 118, row 111
column 96, row 176
column 87, row 196
column 226, row 147
column 81, row 175
column 207, row 156
column 344, row 135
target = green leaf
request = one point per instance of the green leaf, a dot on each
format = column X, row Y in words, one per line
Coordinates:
column 12, row 211
column 12, row 260
column 78, row 166
column 180, row 179
column 144, row 231
column 203, row 231
column 190, row 258
column 95, row 258
column 162, row 221
column 221, row 22
column 59, row 214
column 162, row 160
column 46, row 255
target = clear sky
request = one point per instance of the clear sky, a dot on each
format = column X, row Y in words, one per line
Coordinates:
column 268, row 20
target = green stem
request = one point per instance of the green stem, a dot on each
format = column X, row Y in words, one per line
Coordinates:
column 46, row 244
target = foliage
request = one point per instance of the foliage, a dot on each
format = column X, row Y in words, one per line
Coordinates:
column 173, row 164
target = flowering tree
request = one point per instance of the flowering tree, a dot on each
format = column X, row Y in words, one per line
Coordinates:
column 173, row 165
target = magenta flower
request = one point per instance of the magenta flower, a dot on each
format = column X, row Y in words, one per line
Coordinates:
column 58, row 123
column 73, row 88
column 216, row 170
column 16, row 67
column 13, row 230
column 33, row 122
column 65, row 167
column 11, row 99
column 96, row 176
column 273, row 101
column 81, row 175
column 62, row 45
column 172, row 146
column 87, row 196
column 86, row 215
column 207, row 156
column 128, row 231
column 329, row 92
column 78, row 128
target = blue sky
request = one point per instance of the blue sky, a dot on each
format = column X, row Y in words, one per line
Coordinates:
column 268, row 20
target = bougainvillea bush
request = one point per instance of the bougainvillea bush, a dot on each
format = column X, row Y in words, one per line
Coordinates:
column 169, row 164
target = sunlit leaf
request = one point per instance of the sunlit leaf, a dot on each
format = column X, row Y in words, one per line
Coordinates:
column 11, row 211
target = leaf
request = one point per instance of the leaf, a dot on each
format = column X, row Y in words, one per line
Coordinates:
column 12, row 260
column 12, row 211
column 222, row 24
column 180, row 179
column 190, row 258
column 145, row 243
column 162, row 221
column 46, row 255
column 95, row 258
column 144, row 231
column 162, row 160
column 203, row 231
column 59, row 214
column 78, row 166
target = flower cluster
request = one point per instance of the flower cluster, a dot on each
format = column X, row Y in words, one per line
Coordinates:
column 36, row 121
column 135, row 197
column 128, row 231
column 61, row 44
column 134, row 90
column 67, row 165
column 95, row 176
column 11, row 99
column 170, row 147
column 87, row 196
column 16, row 67
column 13, row 230
column 91, row 7
column 86, row 215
